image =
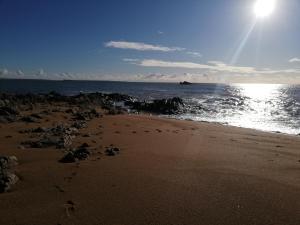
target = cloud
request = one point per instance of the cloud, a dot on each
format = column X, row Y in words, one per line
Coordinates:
column 139, row 46
column 195, row 54
column 293, row 60
column 40, row 72
column 130, row 60
column 3, row 72
column 20, row 72
column 211, row 66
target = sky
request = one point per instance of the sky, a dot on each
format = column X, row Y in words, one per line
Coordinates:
column 154, row 40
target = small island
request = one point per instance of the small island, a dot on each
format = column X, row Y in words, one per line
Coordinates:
column 185, row 83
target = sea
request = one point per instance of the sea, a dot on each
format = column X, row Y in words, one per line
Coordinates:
column 266, row 107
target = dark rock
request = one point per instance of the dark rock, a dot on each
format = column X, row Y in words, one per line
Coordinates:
column 81, row 153
column 115, row 111
column 8, row 114
column 111, row 151
column 163, row 106
column 29, row 119
column 65, row 141
column 79, row 124
column 7, row 177
column 70, row 111
column 8, row 162
column 85, row 145
column 39, row 130
column 7, row 111
column 36, row 116
column 185, row 83
column 42, row 143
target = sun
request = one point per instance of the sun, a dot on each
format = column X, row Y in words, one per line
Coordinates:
column 264, row 8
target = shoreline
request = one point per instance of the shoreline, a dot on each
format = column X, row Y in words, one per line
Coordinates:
column 82, row 165
column 224, row 124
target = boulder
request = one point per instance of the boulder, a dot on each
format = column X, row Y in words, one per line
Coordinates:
column 7, row 177
column 112, row 151
column 81, row 153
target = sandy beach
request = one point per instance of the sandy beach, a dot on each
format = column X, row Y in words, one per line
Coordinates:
column 167, row 172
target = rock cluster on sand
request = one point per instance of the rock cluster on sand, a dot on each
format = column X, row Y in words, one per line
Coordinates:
column 80, row 153
column 8, row 114
column 7, row 176
column 111, row 151
column 163, row 106
column 60, row 136
column 112, row 103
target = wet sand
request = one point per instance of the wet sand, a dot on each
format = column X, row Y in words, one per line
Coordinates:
column 168, row 172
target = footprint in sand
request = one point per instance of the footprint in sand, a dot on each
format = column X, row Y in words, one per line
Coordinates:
column 158, row 130
column 134, row 132
column 146, row 131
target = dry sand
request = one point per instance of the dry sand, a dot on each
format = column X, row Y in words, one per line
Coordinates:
column 167, row 173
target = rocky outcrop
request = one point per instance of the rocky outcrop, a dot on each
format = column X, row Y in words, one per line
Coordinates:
column 81, row 153
column 8, row 114
column 163, row 106
column 7, row 175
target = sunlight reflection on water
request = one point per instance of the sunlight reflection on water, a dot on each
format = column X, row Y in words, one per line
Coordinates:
column 259, row 106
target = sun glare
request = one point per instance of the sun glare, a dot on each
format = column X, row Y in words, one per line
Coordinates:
column 264, row 8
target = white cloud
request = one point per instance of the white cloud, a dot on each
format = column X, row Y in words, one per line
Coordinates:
column 40, row 72
column 195, row 54
column 139, row 46
column 130, row 60
column 212, row 66
column 293, row 60
column 3, row 72
column 20, row 72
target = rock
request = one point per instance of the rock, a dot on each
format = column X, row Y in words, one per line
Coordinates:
column 8, row 162
column 185, row 83
column 71, row 111
column 85, row 145
column 36, row 116
column 29, row 119
column 65, row 141
column 111, row 151
column 42, row 143
column 39, row 130
column 115, row 111
column 8, row 114
column 86, row 115
column 81, row 153
column 79, row 124
column 7, row 180
column 68, row 158
column 7, row 177
column 7, row 111
column 163, row 106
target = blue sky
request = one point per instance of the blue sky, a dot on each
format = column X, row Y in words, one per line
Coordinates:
column 157, row 40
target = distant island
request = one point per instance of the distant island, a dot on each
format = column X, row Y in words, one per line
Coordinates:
column 185, row 83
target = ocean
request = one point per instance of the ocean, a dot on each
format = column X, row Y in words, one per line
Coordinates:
column 266, row 107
